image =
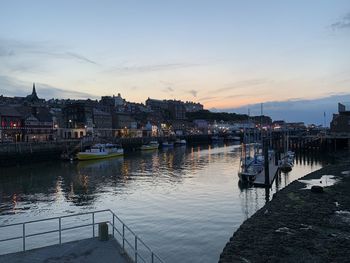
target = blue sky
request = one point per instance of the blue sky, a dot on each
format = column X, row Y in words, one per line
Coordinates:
column 225, row 54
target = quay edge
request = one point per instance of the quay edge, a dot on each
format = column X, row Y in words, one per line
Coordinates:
column 297, row 225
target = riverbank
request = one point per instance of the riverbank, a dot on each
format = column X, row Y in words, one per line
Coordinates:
column 298, row 225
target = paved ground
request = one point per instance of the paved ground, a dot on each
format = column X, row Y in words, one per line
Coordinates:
column 87, row 251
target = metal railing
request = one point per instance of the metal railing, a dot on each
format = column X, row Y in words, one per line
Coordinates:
column 135, row 249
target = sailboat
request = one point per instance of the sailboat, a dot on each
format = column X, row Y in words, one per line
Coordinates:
column 287, row 160
column 250, row 166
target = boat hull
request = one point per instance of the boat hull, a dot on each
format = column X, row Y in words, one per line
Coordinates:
column 148, row 148
column 95, row 156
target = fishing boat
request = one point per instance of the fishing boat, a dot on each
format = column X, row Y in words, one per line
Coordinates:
column 180, row 142
column 152, row 145
column 100, row 151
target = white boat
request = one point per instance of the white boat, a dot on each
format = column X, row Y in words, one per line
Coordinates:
column 152, row 145
column 101, row 151
column 250, row 166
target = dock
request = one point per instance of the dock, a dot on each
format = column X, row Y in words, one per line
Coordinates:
column 260, row 178
column 88, row 250
column 98, row 236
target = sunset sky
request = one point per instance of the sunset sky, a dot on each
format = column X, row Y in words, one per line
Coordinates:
column 225, row 54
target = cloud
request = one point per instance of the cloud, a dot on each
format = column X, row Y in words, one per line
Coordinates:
column 14, row 87
column 15, row 50
column 243, row 84
column 208, row 98
column 168, row 89
column 80, row 58
column 343, row 23
column 298, row 109
column 136, row 69
column 193, row 92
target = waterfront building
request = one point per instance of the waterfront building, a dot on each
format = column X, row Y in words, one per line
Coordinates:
column 78, row 120
column 341, row 121
column 123, row 124
column 38, row 124
column 102, row 123
column 278, row 124
column 12, row 124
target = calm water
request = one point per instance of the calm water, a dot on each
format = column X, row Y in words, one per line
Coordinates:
column 184, row 202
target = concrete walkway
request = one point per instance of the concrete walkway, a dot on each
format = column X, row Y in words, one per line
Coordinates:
column 88, row 251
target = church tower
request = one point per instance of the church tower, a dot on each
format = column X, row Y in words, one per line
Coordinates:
column 34, row 95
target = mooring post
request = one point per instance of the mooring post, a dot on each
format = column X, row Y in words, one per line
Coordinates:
column 276, row 158
column 266, row 163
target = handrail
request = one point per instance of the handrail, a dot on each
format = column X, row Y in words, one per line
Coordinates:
column 135, row 255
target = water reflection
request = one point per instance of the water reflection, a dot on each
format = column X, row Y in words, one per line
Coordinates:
column 185, row 202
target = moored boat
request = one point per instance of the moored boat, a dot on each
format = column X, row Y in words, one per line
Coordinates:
column 217, row 139
column 152, row 145
column 180, row 142
column 168, row 144
column 100, row 151
column 233, row 138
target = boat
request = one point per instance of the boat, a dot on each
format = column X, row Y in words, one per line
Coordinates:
column 100, row 151
column 233, row 138
column 250, row 166
column 180, row 142
column 287, row 161
column 168, row 144
column 152, row 145
column 285, row 164
column 216, row 139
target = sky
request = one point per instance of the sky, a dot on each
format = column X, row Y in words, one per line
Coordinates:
column 228, row 55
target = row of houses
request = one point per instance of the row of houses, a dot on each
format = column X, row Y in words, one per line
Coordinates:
column 33, row 119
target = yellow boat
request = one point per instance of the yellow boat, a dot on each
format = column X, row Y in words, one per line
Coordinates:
column 152, row 145
column 100, row 151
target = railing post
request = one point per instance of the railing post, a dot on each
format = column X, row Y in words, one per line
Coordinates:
column 135, row 249
column 59, row 230
column 24, row 237
column 93, row 224
column 123, row 236
column 152, row 258
column 113, row 225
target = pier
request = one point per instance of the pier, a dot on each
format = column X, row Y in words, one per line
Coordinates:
column 74, row 238
column 266, row 180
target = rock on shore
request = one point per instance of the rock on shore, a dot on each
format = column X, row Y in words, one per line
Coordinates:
column 298, row 225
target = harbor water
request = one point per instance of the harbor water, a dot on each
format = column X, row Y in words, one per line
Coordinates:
column 184, row 202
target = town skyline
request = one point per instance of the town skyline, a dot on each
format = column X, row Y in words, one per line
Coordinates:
column 318, row 111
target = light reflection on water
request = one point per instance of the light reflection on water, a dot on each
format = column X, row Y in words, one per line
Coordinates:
column 184, row 202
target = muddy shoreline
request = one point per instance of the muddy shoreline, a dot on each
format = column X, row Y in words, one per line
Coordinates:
column 298, row 225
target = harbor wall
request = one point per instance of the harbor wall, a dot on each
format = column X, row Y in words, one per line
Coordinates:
column 298, row 225
column 26, row 152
